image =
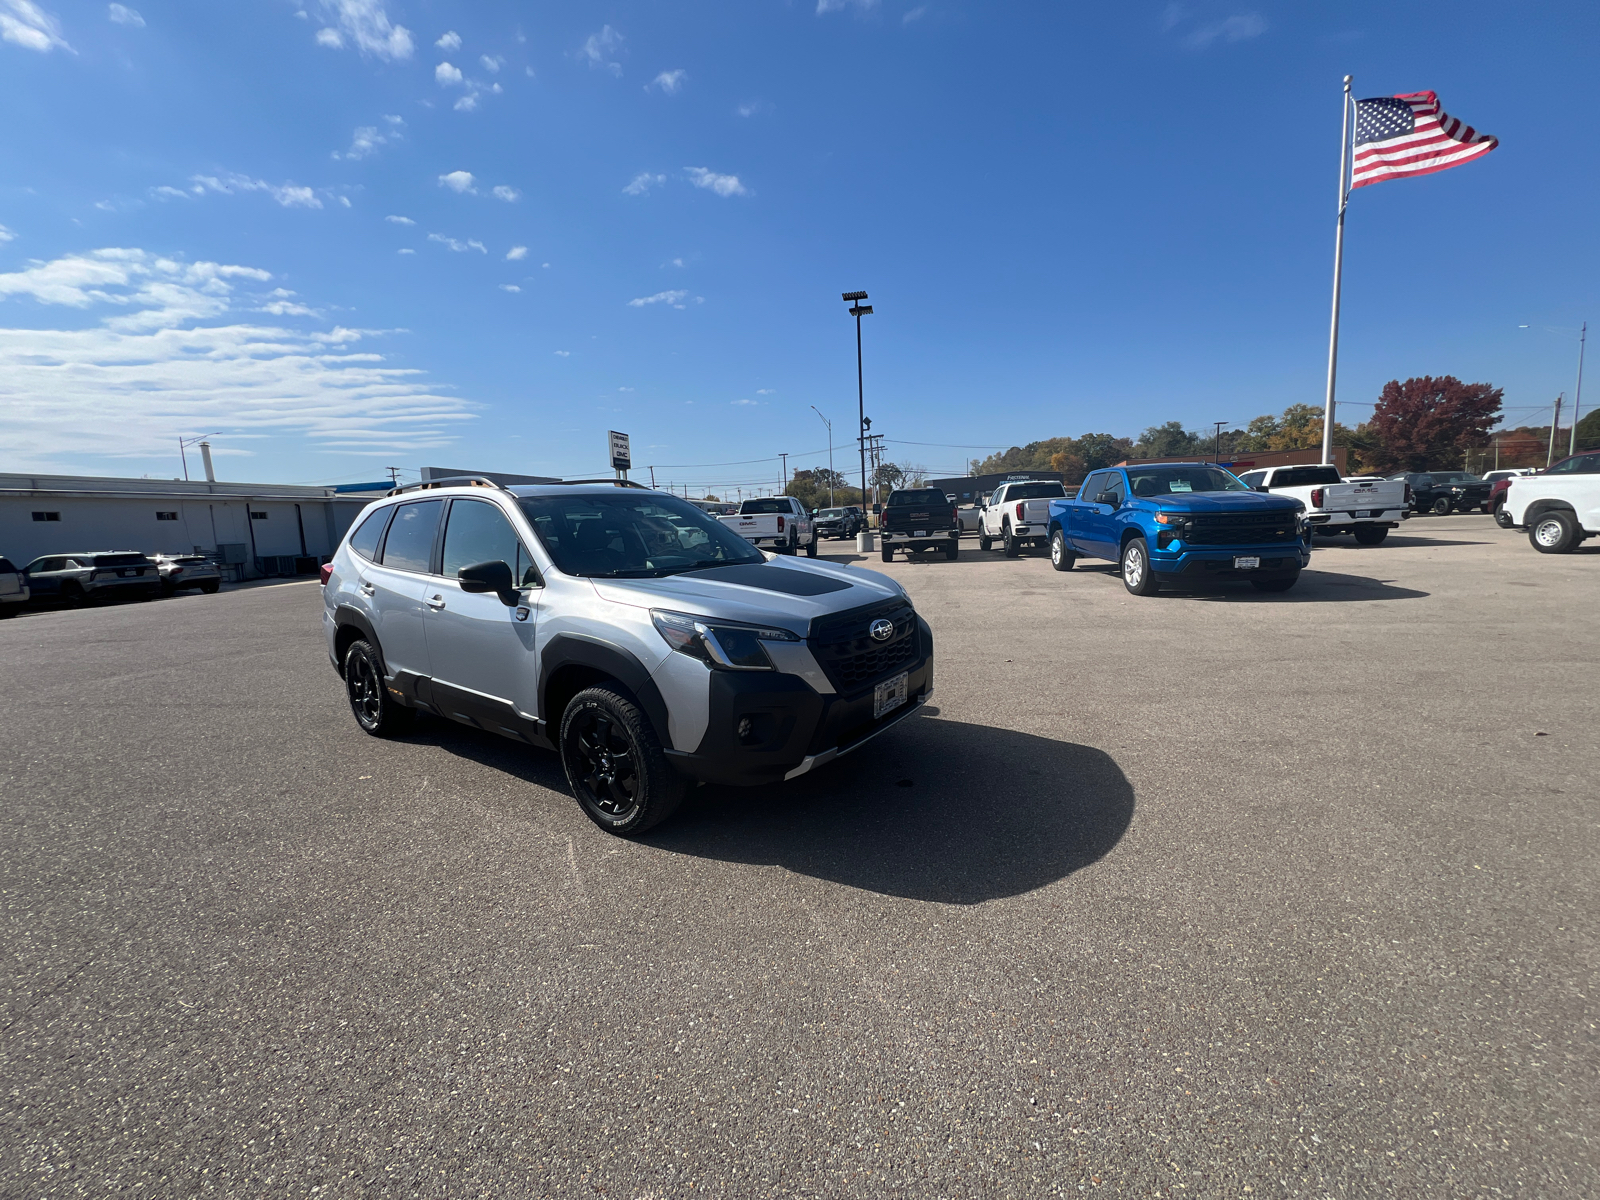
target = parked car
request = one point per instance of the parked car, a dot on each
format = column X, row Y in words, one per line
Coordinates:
column 916, row 520
column 717, row 508
column 1579, row 463
column 80, row 577
column 969, row 518
column 781, row 523
column 644, row 641
column 179, row 571
column 1558, row 508
column 1018, row 515
column 844, row 522
column 1367, row 508
column 1441, row 492
column 14, row 590
column 1177, row 524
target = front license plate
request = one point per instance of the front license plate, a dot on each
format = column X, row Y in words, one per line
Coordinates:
column 889, row 695
column 920, row 533
column 1246, row 564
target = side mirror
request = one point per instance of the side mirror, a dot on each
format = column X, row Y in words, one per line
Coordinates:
column 1260, row 487
column 489, row 577
column 1107, row 498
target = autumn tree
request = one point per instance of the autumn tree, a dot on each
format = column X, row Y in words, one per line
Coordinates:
column 1430, row 421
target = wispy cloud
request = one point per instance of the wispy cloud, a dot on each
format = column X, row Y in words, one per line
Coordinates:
column 722, row 185
column 751, row 108
column 1237, row 28
column 508, row 194
column 287, row 194
column 399, row 220
column 642, row 183
column 668, row 81
column 364, row 142
column 492, row 62
column 459, row 181
column 675, row 298
column 467, row 103
column 28, row 25
column 562, row 353
column 915, row 14
column 599, row 50
column 121, row 14
column 765, row 391
column 509, row 287
column 6, row 235
column 458, row 247
column 828, row 6
column 744, row 403
column 367, row 24
column 450, row 40
column 516, row 253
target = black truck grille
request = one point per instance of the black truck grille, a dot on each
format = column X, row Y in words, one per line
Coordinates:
column 1242, row 529
column 849, row 655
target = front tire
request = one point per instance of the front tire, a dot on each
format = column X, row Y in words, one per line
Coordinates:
column 811, row 546
column 1137, row 576
column 72, row 595
column 1441, row 507
column 984, row 540
column 375, row 710
column 210, row 589
column 1553, row 532
column 615, row 763
column 1061, row 555
column 1371, row 535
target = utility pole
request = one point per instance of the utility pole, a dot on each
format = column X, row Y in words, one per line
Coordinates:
column 829, row 424
column 652, row 479
column 1554, row 425
column 1577, row 395
column 785, row 471
column 1217, row 457
column 394, row 475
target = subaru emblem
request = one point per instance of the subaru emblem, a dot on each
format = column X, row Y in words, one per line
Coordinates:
column 881, row 630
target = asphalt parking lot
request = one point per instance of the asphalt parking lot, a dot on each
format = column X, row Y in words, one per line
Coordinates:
column 1224, row 895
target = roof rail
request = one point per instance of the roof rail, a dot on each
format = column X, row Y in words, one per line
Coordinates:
column 452, row 481
column 615, row 482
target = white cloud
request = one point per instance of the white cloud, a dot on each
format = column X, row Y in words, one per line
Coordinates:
column 509, row 287
column 364, row 142
column 744, row 403
column 508, row 194
column 6, row 236
column 765, row 391
column 467, row 103
column 752, row 107
column 121, row 14
column 368, row 26
column 394, row 120
column 828, row 6
column 668, row 81
column 344, row 201
column 166, row 193
column 1237, row 28
column 598, row 49
column 722, row 185
column 159, row 360
column 492, row 63
column 674, row 298
column 407, row 250
column 516, row 253
column 287, row 194
column 915, row 14
column 458, row 247
column 330, row 38
column 677, row 262
column 28, row 25
column 450, row 40
column 545, row 266
column 400, row 220
column 642, row 183
column 459, row 181
column 447, row 75
column 562, row 353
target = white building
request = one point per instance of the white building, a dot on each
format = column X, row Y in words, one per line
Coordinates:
column 260, row 528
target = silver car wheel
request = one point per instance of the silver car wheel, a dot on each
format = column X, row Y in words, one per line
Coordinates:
column 1549, row 533
column 1133, row 566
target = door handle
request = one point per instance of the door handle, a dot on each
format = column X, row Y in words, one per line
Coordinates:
column 435, row 601
column 366, row 588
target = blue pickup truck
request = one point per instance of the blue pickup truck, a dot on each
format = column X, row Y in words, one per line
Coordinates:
column 1181, row 525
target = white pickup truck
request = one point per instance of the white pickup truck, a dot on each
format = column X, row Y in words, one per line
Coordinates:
column 1018, row 514
column 779, row 523
column 1368, row 508
column 1559, row 508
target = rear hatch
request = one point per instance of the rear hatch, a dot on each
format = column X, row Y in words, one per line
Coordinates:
column 10, row 578
column 122, row 568
column 189, row 566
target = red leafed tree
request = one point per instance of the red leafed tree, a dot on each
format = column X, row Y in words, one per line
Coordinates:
column 1429, row 422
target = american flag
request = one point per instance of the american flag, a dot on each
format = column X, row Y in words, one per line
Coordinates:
column 1397, row 136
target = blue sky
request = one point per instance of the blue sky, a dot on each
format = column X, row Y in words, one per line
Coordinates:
column 349, row 234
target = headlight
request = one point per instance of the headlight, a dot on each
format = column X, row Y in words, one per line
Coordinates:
column 725, row 644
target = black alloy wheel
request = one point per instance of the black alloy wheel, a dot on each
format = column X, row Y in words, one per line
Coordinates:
column 72, row 595
column 984, row 540
column 375, row 710
column 615, row 763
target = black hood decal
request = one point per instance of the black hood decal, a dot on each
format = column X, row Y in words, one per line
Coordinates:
column 774, row 579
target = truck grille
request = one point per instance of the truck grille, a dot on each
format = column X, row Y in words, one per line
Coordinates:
column 1242, row 529
column 847, row 652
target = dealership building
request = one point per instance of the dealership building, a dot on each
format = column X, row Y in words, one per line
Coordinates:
column 252, row 529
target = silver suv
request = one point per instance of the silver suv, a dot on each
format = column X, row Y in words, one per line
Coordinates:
column 625, row 628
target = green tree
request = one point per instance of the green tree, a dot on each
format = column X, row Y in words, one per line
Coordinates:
column 1166, row 441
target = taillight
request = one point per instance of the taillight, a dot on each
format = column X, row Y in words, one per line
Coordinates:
column 1316, row 497
column 1408, row 495
column 1019, row 510
column 325, row 573
column 780, row 524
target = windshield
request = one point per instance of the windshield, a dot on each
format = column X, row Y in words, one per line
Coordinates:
column 1455, row 477
column 830, row 513
column 920, row 496
column 632, row 535
column 1168, row 481
column 1035, row 491
column 763, row 507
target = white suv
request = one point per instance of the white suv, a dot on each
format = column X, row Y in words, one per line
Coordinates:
column 627, row 629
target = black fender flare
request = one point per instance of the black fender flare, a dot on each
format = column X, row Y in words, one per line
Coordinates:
column 350, row 615
column 570, row 649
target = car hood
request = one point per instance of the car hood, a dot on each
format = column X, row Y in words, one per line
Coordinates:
column 1227, row 502
column 788, row 593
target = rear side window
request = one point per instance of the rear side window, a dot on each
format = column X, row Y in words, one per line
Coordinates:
column 759, row 507
column 1254, row 478
column 409, row 545
column 477, row 532
column 1306, row 476
column 1036, row 491
column 120, row 560
column 364, row 541
column 929, row 496
column 5, row 565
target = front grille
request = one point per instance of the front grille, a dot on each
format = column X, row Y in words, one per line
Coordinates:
column 847, row 652
column 1242, row 529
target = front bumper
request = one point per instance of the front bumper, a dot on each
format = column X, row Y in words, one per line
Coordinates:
column 793, row 728
column 1207, row 565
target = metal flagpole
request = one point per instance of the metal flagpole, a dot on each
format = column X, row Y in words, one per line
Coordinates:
column 1338, row 270
column 1577, row 395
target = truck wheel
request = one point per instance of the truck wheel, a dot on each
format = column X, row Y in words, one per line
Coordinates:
column 984, row 541
column 1554, row 532
column 1012, row 545
column 72, row 595
column 811, row 547
column 952, row 550
column 888, row 554
column 1061, row 557
column 615, row 763
column 1276, row 585
column 375, row 710
column 1441, row 507
column 1136, row 574
column 1371, row 535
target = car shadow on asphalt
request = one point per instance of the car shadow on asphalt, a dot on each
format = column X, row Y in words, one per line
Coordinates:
column 931, row 810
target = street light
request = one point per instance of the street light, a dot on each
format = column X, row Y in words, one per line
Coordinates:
column 184, row 443
column 829, row 424
column 859, row 310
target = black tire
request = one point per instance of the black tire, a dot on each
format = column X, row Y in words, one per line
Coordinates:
column 1554, row 532
column 375, row 710
column 1276, row 585
column 615, row 764
column 952, row 550
column 984, row 540
column 1061, row 555
column 1440, row 507
column 72, row 595
column 210, row 589
column 888, row 554
column 1013, row 547
column 1134, row 564
column 1371, row 535
column 811, row 546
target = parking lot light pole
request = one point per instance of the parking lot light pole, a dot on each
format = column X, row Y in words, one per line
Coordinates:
column 1217, row 458
column 829, row 424
column 859, row 310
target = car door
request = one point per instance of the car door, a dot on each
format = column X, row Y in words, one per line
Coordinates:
column 41, row 576
column 993, row 510
column 1112, row 517
column 1083, row 514
column 394, row 584
column 482, row 649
